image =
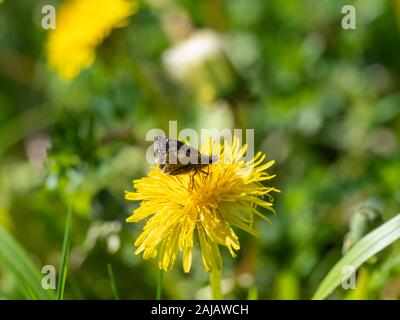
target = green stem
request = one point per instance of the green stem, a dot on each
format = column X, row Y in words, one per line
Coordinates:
column 159, row 285
column 112, row 281
column 215, row 283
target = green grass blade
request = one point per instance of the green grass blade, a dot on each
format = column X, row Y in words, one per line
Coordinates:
column 75, row 289
column 363, row 250
column 65, row 255
column 29, row 294
column 159, row 285
column 15, row 259
column 112, row 281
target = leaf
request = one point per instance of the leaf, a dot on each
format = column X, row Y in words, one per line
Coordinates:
column 65, row 255
column 17, row 261
column 363, row 250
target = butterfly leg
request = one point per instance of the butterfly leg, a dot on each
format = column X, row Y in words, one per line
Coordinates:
column 206, row 173
column 191, row 184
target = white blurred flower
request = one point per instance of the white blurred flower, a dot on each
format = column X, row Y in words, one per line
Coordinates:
column 200, row 47
column 201, row 64
column 107, row 231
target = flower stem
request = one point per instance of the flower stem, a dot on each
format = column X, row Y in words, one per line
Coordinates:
column 215, row 284
column 159, row 284
column 112, row 281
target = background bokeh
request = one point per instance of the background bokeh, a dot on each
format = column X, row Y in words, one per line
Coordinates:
column 324, row 103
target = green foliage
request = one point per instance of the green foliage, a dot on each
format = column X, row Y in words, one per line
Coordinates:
column 112, row 282
column 323, row 102
column 16, row 261
column 363, row 250
column 65, row 255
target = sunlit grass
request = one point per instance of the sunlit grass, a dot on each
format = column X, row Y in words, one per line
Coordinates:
column 65, row 255
column 363, row 250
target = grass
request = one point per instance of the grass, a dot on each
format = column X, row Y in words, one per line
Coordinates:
column 362, row 251
column 160, row 281
column 112, row 281
column 65, row 255
column 16, row 260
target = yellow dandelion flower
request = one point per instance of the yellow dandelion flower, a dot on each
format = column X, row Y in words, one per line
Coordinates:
column 230, row 194
column 81, row 26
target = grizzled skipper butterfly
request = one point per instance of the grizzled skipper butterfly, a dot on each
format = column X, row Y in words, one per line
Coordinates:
column 175, row 157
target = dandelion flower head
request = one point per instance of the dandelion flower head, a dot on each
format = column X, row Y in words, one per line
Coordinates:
column 180, row 209
column 81, row 26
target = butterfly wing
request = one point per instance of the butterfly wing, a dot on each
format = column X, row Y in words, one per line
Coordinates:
column 160, row 151
column 175, row 157
column 167, row 153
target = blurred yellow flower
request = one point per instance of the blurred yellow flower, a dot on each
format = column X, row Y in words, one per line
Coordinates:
column 228, row 195
column 81, row 25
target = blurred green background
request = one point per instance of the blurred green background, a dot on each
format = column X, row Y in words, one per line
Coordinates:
column 324, row 103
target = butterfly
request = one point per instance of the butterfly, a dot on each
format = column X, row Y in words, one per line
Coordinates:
column 175, row 157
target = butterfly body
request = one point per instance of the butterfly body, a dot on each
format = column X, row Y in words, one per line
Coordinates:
column 174, row 157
